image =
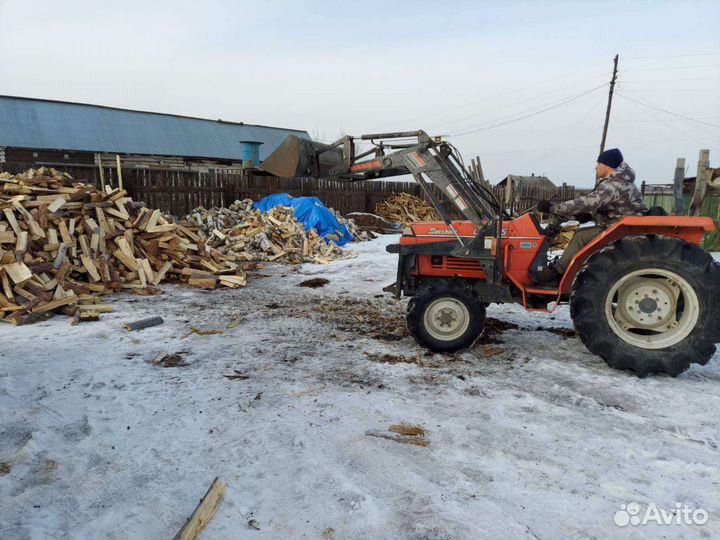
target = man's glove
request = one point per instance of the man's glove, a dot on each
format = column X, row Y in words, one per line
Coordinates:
column 584, row 217
column 544, row 206
column 552, row 230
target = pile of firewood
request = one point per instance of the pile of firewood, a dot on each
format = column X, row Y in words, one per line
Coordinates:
column 64, row 243
column 405, row 208
column 242, row 233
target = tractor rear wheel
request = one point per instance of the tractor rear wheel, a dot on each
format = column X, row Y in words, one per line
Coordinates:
column 649, row 304
column 446, row 315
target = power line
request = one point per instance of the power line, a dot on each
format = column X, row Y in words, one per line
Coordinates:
column 513, row 105
column 643, row 143
column 663, row 57
column 574, row 98
column 667, row 124
column 510, row 92
column 668, row 112
column 532, row 109
column 654, row 89
column 673, row 80
column 546, row 81
column 577, row 134
column 671, row 67
column 649, row 121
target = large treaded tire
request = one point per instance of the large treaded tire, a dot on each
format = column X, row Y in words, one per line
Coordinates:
column 595, row 281
column 438, row 289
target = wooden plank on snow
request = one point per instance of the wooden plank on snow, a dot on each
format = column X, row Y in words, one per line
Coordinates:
column 203, row 512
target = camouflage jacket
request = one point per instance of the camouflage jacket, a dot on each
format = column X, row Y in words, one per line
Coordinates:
column 614, row 197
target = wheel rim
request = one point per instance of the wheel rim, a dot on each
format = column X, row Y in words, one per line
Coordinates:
column 652, row 308
column 446, row 318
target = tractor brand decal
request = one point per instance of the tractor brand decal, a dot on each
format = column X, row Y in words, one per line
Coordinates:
column 440, row 231
column 525, row 245
column 416, row 159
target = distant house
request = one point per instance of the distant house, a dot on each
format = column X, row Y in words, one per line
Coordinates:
column 530, row 181
column 44, row 132
column 522, row 192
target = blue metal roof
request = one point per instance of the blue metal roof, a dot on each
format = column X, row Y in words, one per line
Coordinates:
column 60, row 125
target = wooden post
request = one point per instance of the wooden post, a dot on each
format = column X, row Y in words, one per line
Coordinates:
column 607, row 111
column 102, row 174
column 678, row 186
column 509, row 194
column 478, row 170
column 119, row 171
column 609, row 104
column 642, row 188
column 701, row 182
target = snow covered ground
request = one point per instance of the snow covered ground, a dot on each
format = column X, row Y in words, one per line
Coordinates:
column 530, row 435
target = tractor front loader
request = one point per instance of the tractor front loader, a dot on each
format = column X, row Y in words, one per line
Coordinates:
column 643, row 295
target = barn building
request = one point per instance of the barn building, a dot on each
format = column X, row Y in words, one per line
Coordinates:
column 40, row 132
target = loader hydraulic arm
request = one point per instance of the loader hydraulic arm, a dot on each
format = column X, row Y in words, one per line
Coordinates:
column 429, row 160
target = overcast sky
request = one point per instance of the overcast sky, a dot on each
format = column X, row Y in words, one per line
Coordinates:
column 459, row 69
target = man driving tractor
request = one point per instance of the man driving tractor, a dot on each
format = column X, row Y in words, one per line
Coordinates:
column 643, row 294
column 615, row 196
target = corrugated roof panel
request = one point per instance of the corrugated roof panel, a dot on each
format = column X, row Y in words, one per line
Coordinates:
column 35, row 123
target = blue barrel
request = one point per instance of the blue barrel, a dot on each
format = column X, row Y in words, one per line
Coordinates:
column 250, row 153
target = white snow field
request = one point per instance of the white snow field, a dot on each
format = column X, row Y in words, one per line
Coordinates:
column 530, row 435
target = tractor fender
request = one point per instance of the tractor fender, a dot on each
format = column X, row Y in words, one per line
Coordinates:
column 689, row 229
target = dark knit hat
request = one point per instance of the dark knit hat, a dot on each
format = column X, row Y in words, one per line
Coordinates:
column 612, row 158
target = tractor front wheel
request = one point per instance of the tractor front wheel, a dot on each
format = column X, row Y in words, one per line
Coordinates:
column 446, row 315
column 649, row 304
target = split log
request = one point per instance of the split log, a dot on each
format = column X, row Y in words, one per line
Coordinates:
column 143, row 323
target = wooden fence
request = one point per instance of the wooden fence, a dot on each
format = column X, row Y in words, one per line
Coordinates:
column 179, row 192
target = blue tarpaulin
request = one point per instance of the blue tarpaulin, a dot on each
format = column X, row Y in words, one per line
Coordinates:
column 311, row 212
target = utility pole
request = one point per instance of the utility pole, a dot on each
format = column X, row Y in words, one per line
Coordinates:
column 607, row 112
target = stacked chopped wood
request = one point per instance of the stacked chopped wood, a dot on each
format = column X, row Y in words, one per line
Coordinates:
column 64, row 243
column 242, row 233
column 405, row 208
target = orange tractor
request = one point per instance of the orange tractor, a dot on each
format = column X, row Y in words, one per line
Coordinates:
column 643, row 295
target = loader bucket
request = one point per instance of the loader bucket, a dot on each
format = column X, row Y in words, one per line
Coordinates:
column 301, row 157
